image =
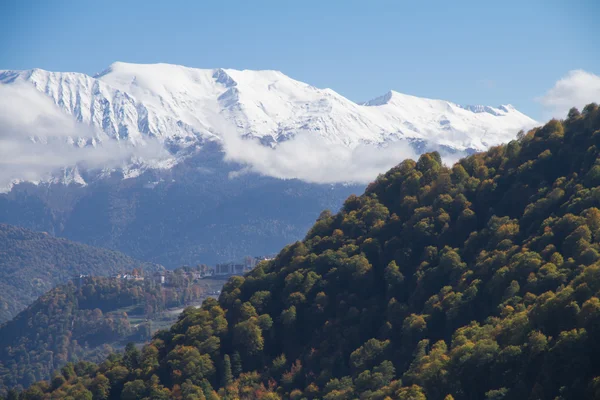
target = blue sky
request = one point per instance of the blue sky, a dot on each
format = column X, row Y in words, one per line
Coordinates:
column 469, row 52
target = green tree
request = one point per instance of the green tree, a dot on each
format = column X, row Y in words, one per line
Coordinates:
column 227, row 374
column 100, row 387
column 134, row 390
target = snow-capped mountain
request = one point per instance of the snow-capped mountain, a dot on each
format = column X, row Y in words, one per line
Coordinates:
column 181, row 106
column 57, row 127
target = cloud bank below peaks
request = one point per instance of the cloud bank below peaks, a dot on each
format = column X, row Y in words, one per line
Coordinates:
column 309, row 158
column 37, row 140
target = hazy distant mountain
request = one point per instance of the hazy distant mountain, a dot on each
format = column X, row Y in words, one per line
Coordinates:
column 190, row 214
column 31, row 263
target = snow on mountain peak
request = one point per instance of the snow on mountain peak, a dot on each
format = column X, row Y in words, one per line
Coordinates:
column 184, row 107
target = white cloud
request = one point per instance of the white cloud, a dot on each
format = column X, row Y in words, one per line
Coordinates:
column 576, row 89
column 308, row 157
column 37, row 139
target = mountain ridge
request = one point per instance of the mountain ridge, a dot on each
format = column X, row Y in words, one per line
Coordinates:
column 175, row 104
column 31, row 263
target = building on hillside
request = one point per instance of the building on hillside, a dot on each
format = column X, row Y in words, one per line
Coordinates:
column 206, row 271
column 250, row 262
column 231, row 268
column 263, row 258
column 128, row 277
column 159, row 277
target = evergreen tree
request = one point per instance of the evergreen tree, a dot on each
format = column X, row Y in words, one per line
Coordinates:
column 236, row 364
column 227, row 373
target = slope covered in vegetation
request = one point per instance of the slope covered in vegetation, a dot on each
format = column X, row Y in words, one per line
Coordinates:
column 32, row 263
column 480, row 281
column 86, row 319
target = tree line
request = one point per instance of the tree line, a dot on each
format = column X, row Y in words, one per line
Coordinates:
column 476, row 281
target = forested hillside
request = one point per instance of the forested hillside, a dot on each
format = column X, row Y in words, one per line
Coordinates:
column 87, row 318
column 31, row 263
column 479, row 281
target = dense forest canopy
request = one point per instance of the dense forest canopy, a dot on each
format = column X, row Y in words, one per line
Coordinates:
column 476, row 281
column 32, row 263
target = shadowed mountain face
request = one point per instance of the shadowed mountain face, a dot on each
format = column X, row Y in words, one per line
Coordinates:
column 193, row 213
